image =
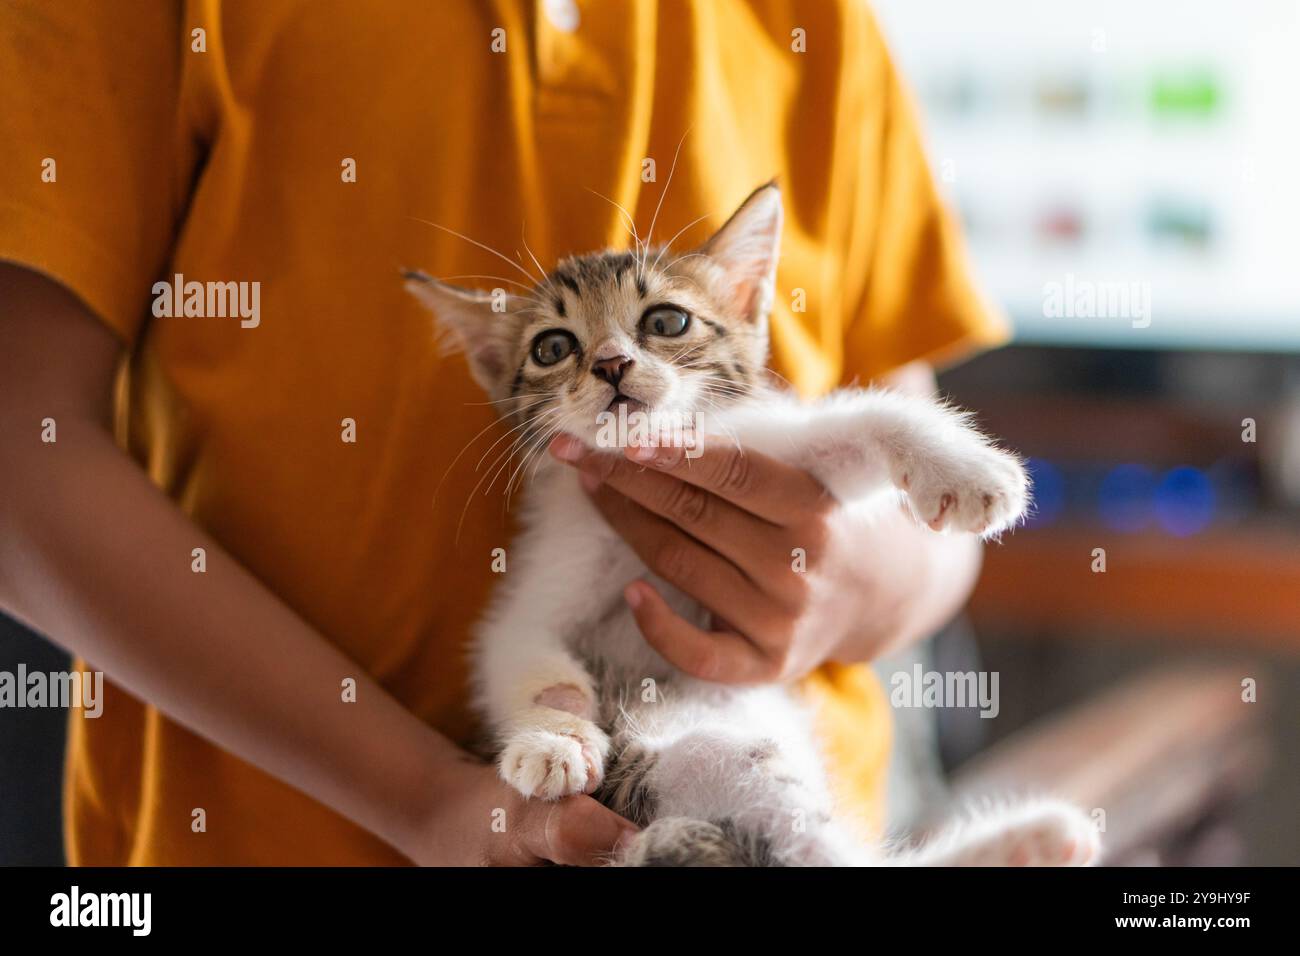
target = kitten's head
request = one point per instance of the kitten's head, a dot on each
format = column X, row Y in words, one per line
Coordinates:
column 675, row 335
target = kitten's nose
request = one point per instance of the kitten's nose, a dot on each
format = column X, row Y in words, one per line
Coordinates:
column 611, row 369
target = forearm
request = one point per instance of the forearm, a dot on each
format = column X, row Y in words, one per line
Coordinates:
column 954, row 568
column 918, row 581
column 94, row 556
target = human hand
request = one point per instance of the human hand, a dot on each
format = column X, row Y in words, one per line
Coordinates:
column 724, row 528
column 478, row 820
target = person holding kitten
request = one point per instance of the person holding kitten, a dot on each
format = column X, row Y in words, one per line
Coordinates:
column 271, row 536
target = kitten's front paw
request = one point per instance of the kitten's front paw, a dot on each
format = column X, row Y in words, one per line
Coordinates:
column 553, row 755
column 982, row 490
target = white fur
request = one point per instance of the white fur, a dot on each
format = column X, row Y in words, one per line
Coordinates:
column 746, row 755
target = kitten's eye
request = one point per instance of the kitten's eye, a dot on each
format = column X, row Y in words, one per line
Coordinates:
column 553, row 345
column 665, row 320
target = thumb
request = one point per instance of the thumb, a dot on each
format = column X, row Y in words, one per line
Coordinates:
column 575, row 831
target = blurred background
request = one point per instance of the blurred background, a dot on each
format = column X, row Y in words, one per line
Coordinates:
column 1125, row 175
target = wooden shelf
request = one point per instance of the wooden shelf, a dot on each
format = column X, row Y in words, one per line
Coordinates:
column 1241, row 586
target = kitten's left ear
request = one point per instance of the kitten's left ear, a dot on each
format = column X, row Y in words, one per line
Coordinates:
column 481, row 323
column 747, row 247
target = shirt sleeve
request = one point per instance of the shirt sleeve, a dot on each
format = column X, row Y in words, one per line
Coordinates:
column 917, row 298
column 94, row 166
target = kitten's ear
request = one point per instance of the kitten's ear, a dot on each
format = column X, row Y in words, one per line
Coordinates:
column 480, row 323
column 747, row 247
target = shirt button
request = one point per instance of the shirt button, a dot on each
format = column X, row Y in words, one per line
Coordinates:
column 563, row 14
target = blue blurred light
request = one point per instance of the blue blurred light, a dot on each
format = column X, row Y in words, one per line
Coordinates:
column 1125, row 498
column 1048, row 488
column 1185, row 501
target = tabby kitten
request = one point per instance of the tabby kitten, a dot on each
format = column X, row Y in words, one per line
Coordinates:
column 715, row 774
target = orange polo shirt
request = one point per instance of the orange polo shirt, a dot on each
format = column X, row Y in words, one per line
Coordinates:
column 295, row 144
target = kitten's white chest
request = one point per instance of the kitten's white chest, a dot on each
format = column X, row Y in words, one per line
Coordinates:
column 586, row 566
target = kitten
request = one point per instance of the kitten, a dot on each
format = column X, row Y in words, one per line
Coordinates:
column 715, row 774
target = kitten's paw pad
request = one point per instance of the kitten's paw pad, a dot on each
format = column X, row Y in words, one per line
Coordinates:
column 550, row 765
column 566, row 697
column 984, row 492
column 1057, row 836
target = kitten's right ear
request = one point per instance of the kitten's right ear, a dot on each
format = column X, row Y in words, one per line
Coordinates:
column 480, row 323
column 747, row 247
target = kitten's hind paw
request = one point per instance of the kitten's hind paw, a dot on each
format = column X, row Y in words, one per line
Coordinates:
column 556, row 756
column 1039, row 833
column 1051, row 834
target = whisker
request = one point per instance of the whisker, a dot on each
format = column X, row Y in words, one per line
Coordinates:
column 510, row 398
column 665, row 247
column 628, row 222
column 486, row 248
column 523, row 237
column 784, row 380
column 689, row 347
column 524, row 441
column 655, row 218
column 689, row 356
column 466, row 447
column 524, row 424
column 532, row 455
column 529, row 430
column 470, row 497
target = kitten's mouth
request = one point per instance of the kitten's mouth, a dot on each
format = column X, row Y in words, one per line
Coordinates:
column 625, row 401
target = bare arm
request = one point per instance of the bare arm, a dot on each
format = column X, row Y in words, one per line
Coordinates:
column 96, row 557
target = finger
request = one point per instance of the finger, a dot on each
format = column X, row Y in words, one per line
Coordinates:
column 575, row 831
column 750, row 480
column 745, row 539
column 689, row 565
column 722, row 656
